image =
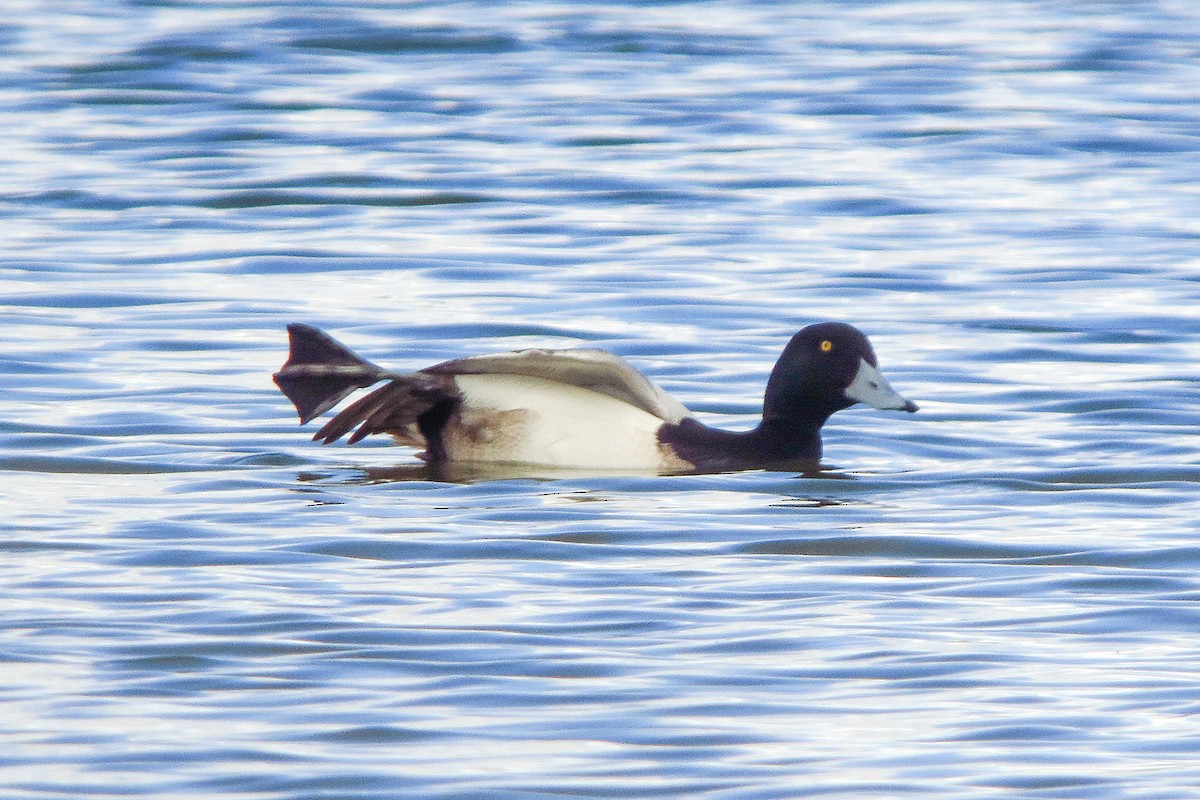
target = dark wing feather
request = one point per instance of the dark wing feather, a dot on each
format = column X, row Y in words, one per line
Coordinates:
column 392, row 408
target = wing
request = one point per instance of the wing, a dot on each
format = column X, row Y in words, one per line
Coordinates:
column 394, row 408
column 585, row 367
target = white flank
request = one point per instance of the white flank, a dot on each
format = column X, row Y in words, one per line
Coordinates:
column 527, row 420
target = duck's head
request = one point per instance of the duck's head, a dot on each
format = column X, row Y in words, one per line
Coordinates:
column 824, row 368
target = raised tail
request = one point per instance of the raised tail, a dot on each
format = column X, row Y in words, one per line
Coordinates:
column 321, row 371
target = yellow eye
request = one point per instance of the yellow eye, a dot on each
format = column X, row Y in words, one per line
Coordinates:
column 826, row 345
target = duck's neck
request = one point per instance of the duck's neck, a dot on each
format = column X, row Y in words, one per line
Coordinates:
column 792, row 437
column 776, row 440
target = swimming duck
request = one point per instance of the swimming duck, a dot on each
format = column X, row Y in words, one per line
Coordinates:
column 581, row 408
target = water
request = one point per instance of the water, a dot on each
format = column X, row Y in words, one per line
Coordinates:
column 994, row 597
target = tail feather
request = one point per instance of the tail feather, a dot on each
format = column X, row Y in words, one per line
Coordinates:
column 320, row 372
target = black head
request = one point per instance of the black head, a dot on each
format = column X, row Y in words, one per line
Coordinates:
column 824, row 368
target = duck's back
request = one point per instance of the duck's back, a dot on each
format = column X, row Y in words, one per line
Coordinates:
column 583, row 367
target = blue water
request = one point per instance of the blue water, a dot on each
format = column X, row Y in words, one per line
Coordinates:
column 995, row 597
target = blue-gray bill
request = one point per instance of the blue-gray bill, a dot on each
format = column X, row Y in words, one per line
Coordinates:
column 870, row 387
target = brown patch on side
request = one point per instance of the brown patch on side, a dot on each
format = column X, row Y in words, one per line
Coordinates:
column 409, row 435
column 672, row 461
column 485, row 434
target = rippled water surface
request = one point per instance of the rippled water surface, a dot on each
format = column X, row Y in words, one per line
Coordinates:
column 996, row 597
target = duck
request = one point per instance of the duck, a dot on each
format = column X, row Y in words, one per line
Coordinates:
column 581, row 407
